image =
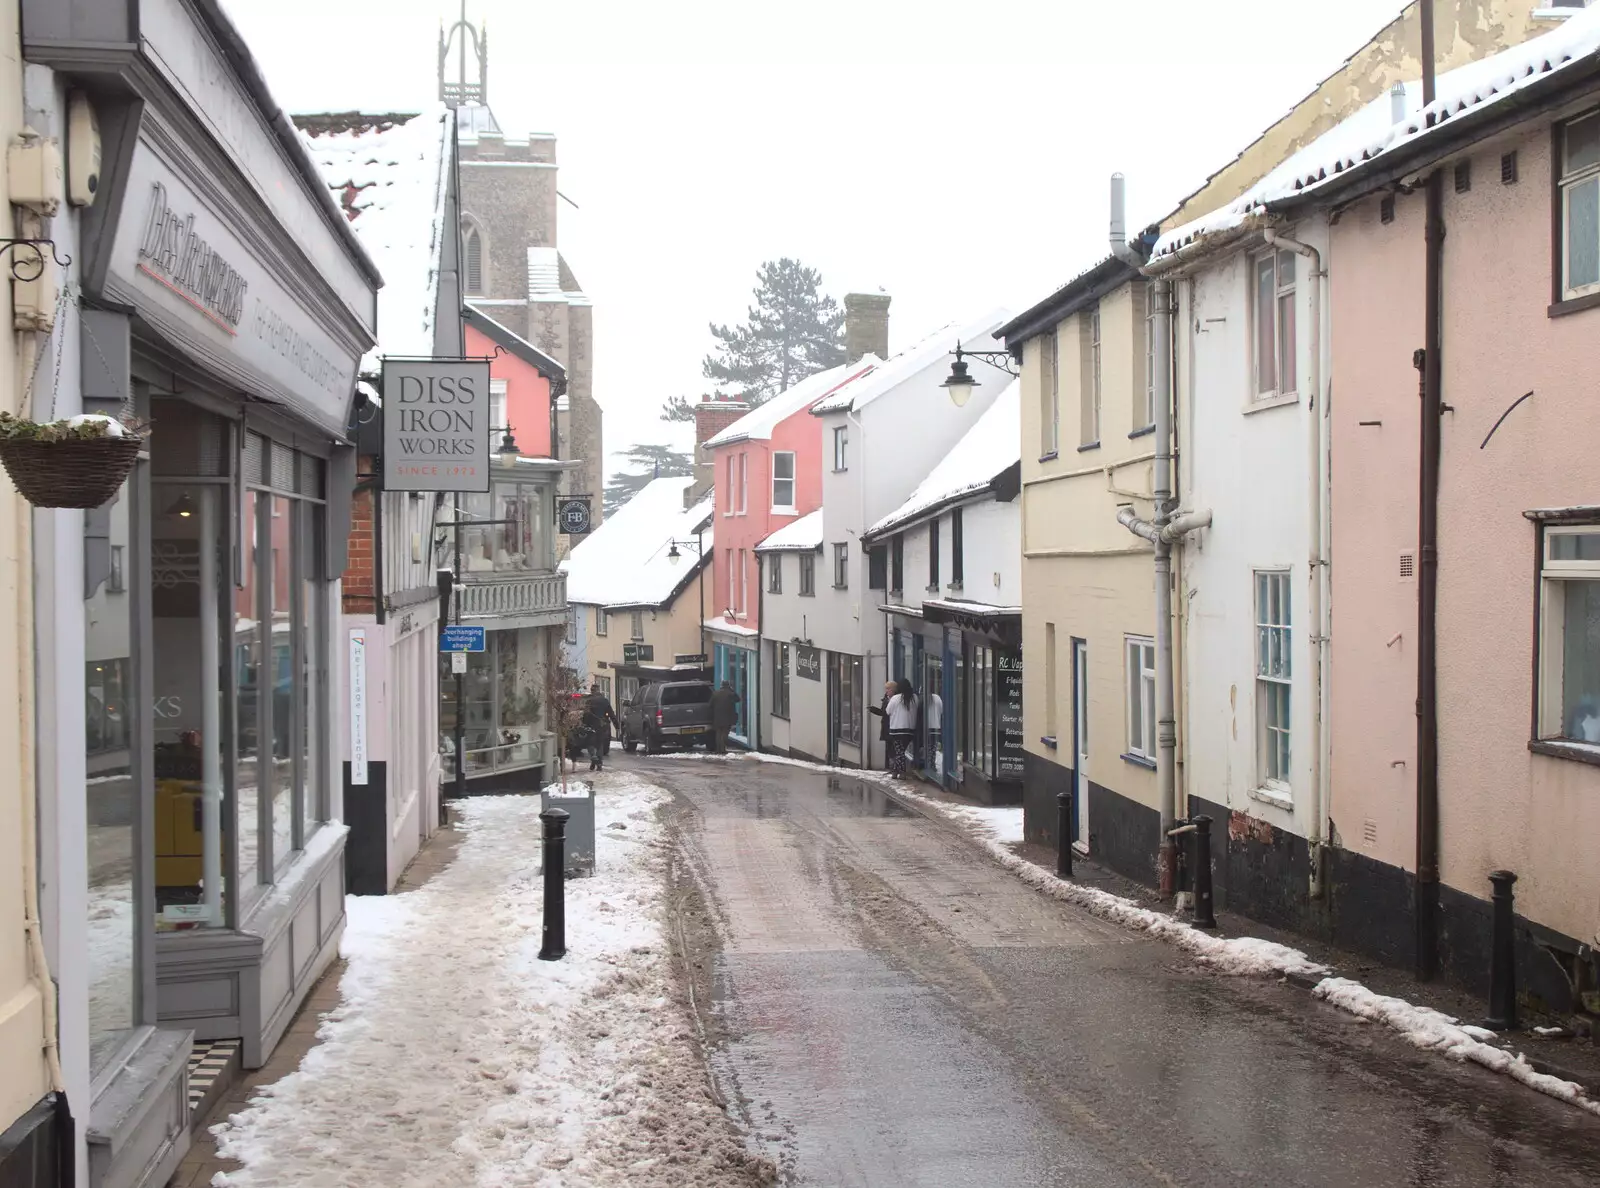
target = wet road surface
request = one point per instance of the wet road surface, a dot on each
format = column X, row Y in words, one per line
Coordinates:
column 896, row 1010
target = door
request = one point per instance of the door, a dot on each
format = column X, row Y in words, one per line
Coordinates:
column 932, row 750
column 833, row 707
column 1080, row 736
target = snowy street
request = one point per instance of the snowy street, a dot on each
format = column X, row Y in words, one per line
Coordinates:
column 457, row 1058
column 895, row 1008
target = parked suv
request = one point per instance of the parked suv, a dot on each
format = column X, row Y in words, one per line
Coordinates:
column 674, row 713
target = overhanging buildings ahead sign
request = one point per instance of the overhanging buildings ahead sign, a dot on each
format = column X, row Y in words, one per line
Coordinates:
column 436, row 425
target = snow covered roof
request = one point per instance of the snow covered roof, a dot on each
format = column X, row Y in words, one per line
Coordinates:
column 1372, row 132
column 729, row 627
column 758, row 423
column 625, row 562
column 803, row 535
column 901, row 366
column 390, row 176
column 989, row 449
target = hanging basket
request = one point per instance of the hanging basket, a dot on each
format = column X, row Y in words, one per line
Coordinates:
column 81, row 472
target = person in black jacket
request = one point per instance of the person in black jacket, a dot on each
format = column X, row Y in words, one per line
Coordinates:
column 724, row 713
column 598, row 717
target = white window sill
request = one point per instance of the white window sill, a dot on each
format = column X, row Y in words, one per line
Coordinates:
column 786, row 511
column 1277, row 797
column 1256, row 406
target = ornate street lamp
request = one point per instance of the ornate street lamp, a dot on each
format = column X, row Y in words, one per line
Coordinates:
column 960, row 383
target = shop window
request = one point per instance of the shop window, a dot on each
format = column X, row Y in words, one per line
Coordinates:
column 780, row 679
column 848, row 706
column 111, row 801
column 1569, row 644
column 980, row 736
column 502, row 707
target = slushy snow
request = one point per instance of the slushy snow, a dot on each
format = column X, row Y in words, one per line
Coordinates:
column 456, row 1057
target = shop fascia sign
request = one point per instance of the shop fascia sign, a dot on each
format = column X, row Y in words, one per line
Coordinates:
column 436, row 425
column 188, row 273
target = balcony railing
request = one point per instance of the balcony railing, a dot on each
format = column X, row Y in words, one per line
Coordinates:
column 536, row 600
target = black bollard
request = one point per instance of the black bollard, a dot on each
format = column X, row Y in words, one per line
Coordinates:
column 554, row 947
column 1204, row 915
column 1503, row 955
column 1063, row 835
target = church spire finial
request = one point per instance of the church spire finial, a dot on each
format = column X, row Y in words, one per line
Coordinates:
column 462, row 92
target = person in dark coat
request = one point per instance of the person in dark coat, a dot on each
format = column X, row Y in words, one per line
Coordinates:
column 724, row 713
column 598, row 717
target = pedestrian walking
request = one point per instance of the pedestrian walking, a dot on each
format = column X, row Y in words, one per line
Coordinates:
column 598, row 717
column 724, row 713
column 900, row 716
column 882, row 710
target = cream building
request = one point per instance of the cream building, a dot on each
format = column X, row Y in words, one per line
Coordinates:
column 24, row 1115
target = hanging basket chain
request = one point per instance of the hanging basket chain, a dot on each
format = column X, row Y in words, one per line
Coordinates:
column 57, row 334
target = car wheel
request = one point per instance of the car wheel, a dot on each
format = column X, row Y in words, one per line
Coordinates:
column 652, row 743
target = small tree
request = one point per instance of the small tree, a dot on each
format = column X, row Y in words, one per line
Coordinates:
column 562, row 693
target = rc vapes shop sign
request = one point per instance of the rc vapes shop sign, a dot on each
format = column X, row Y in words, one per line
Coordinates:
column 436, row 425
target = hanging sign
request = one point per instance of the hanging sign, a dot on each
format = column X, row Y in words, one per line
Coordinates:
column 436, row 425
column 808, row 663
column 573, row 515
column 358, row 707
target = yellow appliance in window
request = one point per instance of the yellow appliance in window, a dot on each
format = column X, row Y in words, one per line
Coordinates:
column 180, row 849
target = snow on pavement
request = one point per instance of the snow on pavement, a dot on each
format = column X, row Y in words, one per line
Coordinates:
column 456, row 1057
column 1241, row 955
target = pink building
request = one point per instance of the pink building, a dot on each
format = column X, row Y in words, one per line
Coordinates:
column 521, row 377
column 767, row 471
column 1519, row 522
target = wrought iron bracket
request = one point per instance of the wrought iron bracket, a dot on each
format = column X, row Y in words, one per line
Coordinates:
column 1000, row 359
column 27, row 260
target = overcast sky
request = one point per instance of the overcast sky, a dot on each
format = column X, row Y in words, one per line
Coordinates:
column 954, row 153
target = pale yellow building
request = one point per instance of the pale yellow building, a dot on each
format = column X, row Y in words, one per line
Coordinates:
column 638, row 587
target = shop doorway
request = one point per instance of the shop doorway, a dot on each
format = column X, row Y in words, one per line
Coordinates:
column 931, row 752
column 1080, row 734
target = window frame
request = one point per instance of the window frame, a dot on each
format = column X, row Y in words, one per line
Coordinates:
column 602, row 622
column 1553, row 577
column 1282, row 294
column 808, row 575
column 744, row 483
column 471, row 229
column 1273, row 770
column 897, row 563
column 1563, row 182
column 1090, row 411
column 636, row 626
column 774, row 564
column 841, row 449
column 499, row 409
column 1050, row 395
column 841, row 566
column 1149, row 410
column 878, row 567
column 781, row 667
column 793, row 480
column 933, row 555
column 958, row 544
column 1139, row 686
column 741, row 604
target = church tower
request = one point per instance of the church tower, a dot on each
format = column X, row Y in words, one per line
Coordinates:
column 512, row 268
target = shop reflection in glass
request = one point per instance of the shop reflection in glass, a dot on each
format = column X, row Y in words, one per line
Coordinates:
column 110, row 793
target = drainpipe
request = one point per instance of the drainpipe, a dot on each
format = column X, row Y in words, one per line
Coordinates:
column 1427, row 886
column 1162, row 531
column 1316, row 560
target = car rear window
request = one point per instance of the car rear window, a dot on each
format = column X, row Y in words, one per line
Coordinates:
column 685, row 694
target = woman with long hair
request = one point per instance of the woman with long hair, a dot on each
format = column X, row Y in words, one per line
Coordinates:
column 901, row 715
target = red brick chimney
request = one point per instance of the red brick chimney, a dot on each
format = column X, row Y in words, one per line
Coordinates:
column 711, row 416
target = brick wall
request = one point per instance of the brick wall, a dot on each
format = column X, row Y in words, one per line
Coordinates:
column 360, row 581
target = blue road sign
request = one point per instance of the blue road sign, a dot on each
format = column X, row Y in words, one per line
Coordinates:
column 462, row 639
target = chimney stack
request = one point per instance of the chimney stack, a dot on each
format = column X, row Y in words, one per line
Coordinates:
column 866, row 325
column 711, row 416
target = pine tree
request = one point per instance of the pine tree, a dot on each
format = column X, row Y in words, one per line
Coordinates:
column 645, row 462
column 793, row 330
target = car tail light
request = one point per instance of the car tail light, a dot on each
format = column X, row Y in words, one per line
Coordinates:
column 660, row 718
